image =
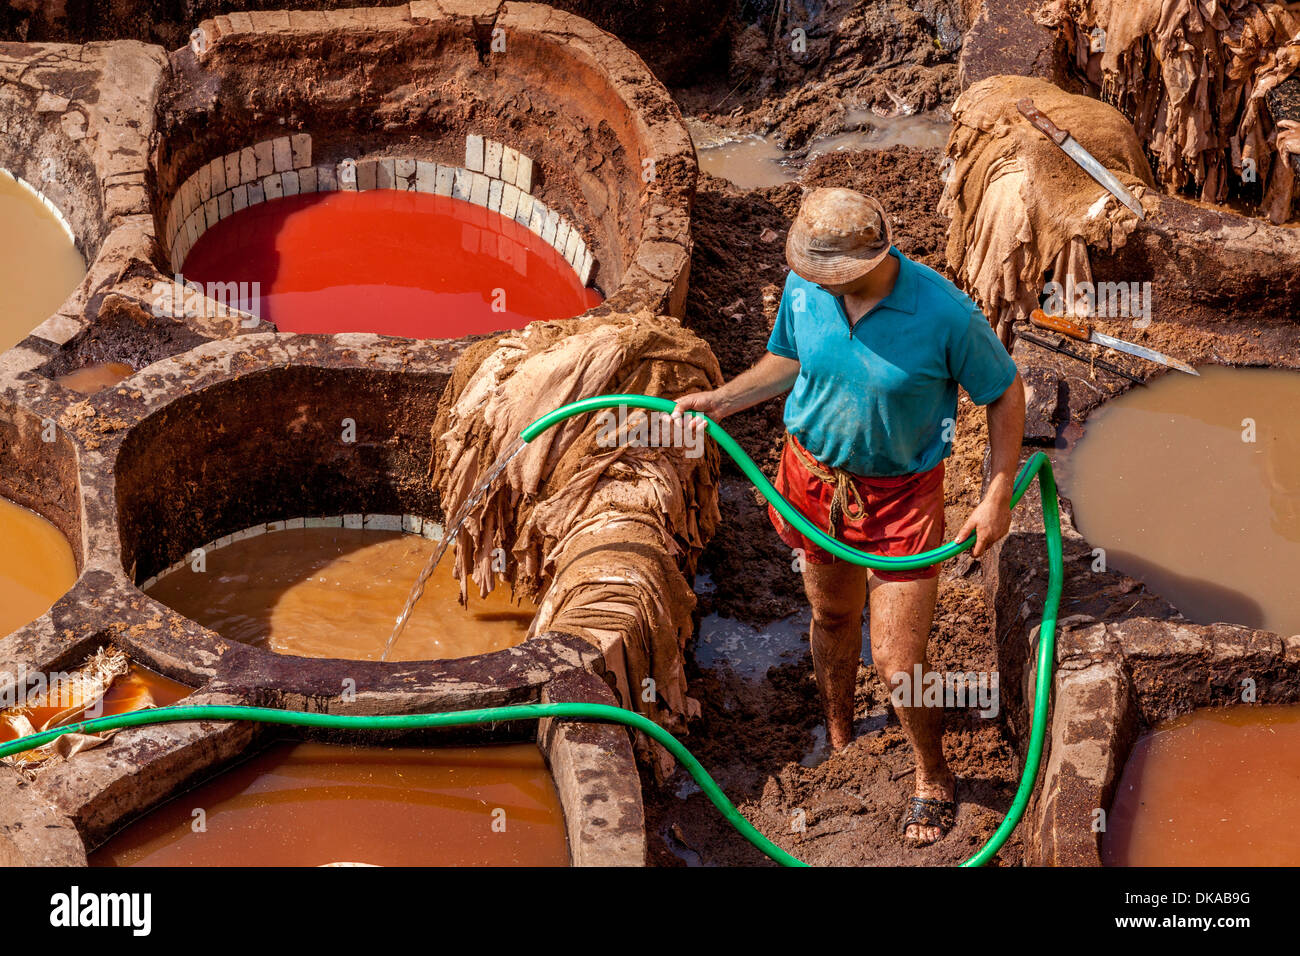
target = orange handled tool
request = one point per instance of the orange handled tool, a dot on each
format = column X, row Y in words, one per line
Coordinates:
column 1074, row 329
column 1059, row 323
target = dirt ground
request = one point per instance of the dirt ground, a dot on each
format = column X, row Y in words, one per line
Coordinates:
column 754, row 734
column 763, row 738
column 887, row 55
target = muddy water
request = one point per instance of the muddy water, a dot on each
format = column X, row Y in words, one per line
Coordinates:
column 308, row 804
column 755, row 162
column 1216, row 787
column 36, row 566
column 1193, row 486
column 39, row 263
column 750, row 162
column 398, row 263
column 335, row 592
column 134, row 690
column 92, row 378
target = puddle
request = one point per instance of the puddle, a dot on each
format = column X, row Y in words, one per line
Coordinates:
column 39, row 262
column 820, row 751
column 755, row 162
column 312, row 804
column 1192, row 485
column 1216, row 787
column 335, row 592
column 869, row 131
column 751, row 651
column 37, row 566
column 388, row 261
column 749, row 162
column 93, row 378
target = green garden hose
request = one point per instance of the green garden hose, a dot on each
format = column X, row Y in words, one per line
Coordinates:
column 1037, row 466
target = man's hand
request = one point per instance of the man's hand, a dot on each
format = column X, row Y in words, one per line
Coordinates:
column 710, row 403
column 991, row 520
column 770, row 376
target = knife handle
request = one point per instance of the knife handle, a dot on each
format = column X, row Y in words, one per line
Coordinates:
column 1040, row 120
column 1061, row 324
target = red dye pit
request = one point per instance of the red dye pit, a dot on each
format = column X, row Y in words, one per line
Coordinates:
column 397, row 263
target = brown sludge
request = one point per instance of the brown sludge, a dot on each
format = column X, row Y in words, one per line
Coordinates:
column 313, row 804
column 334, row 592
column 600, row 533
column 1019, row 206
column 1210, row 788
column 92, row 378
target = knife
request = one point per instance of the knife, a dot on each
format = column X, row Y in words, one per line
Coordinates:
column 1072, row 148
column 1072, row 328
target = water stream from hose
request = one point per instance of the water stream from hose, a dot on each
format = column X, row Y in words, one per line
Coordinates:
column 449, row 535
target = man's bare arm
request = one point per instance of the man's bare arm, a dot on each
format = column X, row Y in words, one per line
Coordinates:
column 770, row 376
column 991, row 519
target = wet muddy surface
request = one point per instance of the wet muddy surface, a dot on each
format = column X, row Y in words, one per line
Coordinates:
column 753, row 161
column 92, row 378
column 762, row 734
column 313, row 804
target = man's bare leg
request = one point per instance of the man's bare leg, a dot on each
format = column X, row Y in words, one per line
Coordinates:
column 901, row 615
column 838, row 595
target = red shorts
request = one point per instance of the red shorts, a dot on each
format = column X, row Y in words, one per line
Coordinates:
column 903, row 515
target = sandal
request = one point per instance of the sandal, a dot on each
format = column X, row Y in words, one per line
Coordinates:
column 929, row 812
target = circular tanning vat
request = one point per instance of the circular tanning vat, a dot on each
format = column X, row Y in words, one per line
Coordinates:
column 1178, row 514
column 357, row 163
column 391, row 261
column 53, row 218
column 1213, row 787
column 525, row 793
column 274, row 502
column 39, row 261
column 1192, row 485
column 330, row 586
column 573, row 156
column 233, row 452
column 306, row 803
column 40, row 516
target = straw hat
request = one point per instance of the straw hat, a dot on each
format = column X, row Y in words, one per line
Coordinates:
column 839, row 236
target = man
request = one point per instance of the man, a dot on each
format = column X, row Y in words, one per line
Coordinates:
column 873, row 346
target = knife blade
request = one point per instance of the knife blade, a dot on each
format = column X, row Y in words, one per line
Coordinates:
column 1075, row 329
column 1074, row 149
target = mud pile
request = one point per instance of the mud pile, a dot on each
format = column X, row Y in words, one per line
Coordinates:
column 795, row 68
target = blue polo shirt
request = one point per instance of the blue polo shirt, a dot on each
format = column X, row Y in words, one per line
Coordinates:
column 879, row 398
